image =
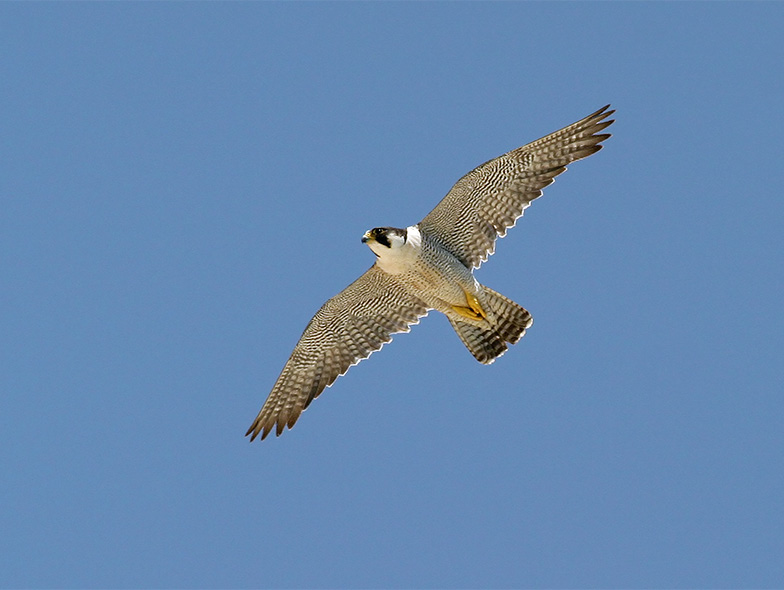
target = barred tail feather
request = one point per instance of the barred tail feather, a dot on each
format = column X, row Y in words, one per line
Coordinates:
column 484, row 343
column 511, row 320
column 506, row 324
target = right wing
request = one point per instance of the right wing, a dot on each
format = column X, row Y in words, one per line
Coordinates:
column 348, row 328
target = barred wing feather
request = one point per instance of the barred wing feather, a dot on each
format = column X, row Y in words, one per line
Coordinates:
column 488, row 200
column 348, row 328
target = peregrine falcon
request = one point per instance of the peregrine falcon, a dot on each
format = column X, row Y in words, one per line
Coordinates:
column 430, row 266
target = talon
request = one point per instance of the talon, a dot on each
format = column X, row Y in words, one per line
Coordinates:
column 467, row 312
column 473, row 311
column 476, row 307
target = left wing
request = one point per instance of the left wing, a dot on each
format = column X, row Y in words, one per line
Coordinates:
column 490, row 198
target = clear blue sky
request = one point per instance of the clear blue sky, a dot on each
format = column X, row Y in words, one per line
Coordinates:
column 183, row 185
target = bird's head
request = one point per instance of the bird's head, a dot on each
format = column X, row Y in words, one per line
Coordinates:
column 384, row 240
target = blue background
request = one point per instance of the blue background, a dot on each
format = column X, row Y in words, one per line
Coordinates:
column 183, row 186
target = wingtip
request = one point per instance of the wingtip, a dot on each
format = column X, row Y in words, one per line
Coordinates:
column 601, row 114
column 609, row 113
column 278, row 426
column 255, row 429
column 598, row 121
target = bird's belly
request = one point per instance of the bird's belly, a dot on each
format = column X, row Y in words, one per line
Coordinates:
column 433, row 274
column 441, row 286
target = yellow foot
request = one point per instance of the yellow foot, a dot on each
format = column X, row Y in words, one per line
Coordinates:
column 467, row 312
column 473, row 311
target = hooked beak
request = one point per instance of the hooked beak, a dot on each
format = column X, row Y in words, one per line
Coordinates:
column 366, row 237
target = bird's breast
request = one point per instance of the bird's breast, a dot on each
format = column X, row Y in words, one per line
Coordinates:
column 398, row 261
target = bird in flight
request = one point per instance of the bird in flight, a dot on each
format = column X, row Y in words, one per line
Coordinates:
column 430, row 266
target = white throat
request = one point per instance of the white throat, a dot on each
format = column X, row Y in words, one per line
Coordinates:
column 400, row 259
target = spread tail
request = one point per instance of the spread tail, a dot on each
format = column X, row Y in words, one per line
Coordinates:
column 487, row 339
